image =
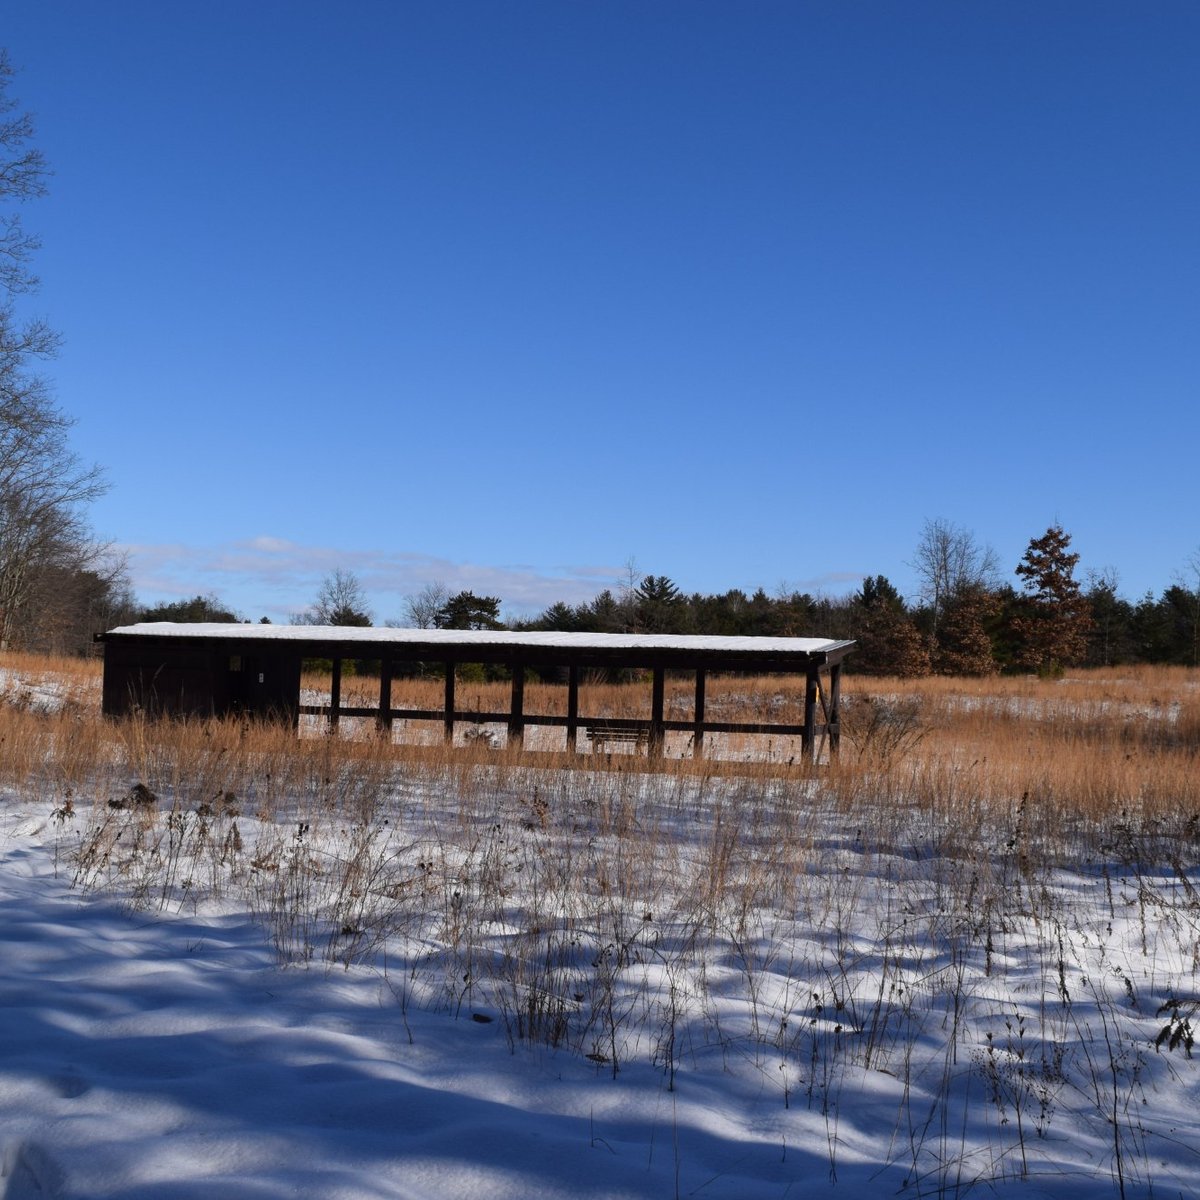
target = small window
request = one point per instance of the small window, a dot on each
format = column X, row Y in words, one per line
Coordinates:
column 235, row 662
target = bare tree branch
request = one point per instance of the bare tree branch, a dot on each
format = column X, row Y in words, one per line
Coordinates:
column 949, row 560
column 421, row 611
column 43, row 485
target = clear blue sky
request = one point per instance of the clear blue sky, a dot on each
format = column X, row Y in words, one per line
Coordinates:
column 504, row 294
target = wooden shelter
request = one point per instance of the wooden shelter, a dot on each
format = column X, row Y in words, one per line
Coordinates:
column 217, row 670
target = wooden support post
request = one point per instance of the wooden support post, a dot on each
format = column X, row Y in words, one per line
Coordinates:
column 335, row 696
column 698, row 732
column 448, row 719
column 808, row 740
column 835, row 710
column 572, row 709
column 383, row 721
column 516, row 712
column 656, row 713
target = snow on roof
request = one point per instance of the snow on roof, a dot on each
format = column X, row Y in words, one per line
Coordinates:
column 352, row 635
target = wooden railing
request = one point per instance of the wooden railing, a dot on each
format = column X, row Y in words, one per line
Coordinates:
column 821, row 700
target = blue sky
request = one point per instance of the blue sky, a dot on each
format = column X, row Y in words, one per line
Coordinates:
column 505, row 294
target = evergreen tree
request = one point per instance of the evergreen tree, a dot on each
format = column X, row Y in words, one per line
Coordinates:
column 1110, row 641
column 879, row 589
column 197, row 610
column 719, row 615
column 465, row 610
column 606, row 614
column 888, row 641
column 890, row 644
column 795, row 614
column 1054, row 618
column 1179, row 625
column 659, row 606
column 1150, row 630
column 762, row 616
column 964, row 638
column 559, row 618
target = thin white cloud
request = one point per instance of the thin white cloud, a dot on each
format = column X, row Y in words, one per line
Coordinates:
column 275, row 577
column 268, row 545
column 829, row 581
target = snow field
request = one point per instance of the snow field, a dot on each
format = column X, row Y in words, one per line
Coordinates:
column 504, row 981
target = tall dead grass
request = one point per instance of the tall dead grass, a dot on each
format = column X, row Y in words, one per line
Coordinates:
column 1090, row 749
column 1076, row 756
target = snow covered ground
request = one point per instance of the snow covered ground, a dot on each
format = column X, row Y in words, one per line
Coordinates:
column 563, row 985
column 43, row 692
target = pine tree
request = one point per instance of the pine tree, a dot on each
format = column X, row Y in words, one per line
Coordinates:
column 659, row 606
column 964, row 640
column 1111, row 639
column 465, row 610
column 1054, row 617
column 888, row 641
column 890, row 644
column 197, row 609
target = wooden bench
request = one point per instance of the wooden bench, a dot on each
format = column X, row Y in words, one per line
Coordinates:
column 601, row 733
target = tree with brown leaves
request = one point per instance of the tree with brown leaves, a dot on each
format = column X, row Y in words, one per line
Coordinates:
column 1053, row 618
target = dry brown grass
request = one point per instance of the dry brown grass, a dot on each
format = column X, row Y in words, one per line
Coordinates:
column 1086, row 748
column 1090, row 748
column 1094, row 747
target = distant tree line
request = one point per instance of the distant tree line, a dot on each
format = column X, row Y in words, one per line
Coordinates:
column 965, row 620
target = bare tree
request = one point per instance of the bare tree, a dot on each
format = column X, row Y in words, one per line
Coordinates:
column 1189, row 582
column 421, row 611
column 341, row 601
column 1106, row 605
column 22, row 177
column 70, row 603
column 43, row 485
column 627, row 587
column 949, row 560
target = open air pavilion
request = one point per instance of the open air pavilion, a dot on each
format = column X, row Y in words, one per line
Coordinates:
column 213, row 670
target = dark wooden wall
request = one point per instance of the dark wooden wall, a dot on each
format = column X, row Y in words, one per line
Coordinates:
column 186, row 680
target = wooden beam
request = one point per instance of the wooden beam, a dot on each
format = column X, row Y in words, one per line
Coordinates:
column 573, row 709
column 656, row 713
column 516, row 715
column 771, row 729
column 335, row 696
column 383, row 722
column 808, row 741
column 835, row 709
column 823, row 697
column 448, row 719
column 698, row 732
